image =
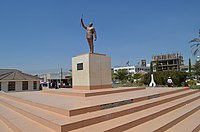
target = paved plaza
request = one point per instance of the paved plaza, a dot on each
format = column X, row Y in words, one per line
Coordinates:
column 129, row 109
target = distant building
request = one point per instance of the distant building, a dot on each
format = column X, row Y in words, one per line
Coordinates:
column 133, row 69
column 167, row 62
column 143, row 63
column 186, row 68
column 56, row 79
column 15, row 80
column 198, row 58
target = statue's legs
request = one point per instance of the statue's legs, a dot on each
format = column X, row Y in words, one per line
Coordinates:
column 91, row 45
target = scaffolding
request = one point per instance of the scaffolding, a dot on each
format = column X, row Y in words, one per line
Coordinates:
column 168, row 62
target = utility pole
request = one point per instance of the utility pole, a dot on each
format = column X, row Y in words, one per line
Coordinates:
column 61, row 74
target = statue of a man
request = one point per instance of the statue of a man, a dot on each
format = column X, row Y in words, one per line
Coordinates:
column 90, row 35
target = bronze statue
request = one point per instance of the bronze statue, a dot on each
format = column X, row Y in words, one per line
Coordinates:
column 90, row 34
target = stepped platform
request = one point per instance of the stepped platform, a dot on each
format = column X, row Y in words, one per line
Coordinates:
column 89, row 93
column 152, row 109
column 166, row 121
column 73, row 105
column 4, row 127
column 19, row 123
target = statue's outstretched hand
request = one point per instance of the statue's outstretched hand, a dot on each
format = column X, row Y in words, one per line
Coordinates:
column 82, row 17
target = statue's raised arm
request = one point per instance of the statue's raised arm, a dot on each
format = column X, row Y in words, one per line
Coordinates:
column 90, row 34
column 83, row 25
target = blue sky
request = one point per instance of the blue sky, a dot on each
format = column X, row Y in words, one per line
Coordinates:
column 38, row 35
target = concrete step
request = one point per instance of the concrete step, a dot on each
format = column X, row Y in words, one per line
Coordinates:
column 129, row 121
column 134, row 99
column 19, row 123
column 36, row 104
column 57, row 121
column 164, row 122
column 108, row 114
column 35, row 114
column 192, row 124
column 89, row 93
column 72, row 106
column 4, row 127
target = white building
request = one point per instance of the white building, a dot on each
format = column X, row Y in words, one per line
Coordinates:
column 56, row 78
column 15, row 80
column 133, row 69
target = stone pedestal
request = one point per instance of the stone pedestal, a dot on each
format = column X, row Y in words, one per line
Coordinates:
column 91, row 71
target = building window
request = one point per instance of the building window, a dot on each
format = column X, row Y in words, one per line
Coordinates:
column 11, row 86
column 35, row 85
column 25, row 85
column 0, row 86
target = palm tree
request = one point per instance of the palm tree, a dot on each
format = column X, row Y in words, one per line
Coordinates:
column 195, row 45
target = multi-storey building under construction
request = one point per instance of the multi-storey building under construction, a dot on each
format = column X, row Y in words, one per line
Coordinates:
column 167, row 62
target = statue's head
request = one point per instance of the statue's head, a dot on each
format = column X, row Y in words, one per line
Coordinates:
column 90, row 24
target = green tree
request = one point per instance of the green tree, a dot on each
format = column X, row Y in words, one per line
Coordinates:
column 197, row 68
column 151, row 67
column 137, row 77
column 157, row 66
column 162, row 76
column 195, row 45
column 122, row 75
column 114, row 76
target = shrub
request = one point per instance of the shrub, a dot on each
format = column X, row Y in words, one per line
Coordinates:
column 195, row 87
column 160, row 77
column 192, row 82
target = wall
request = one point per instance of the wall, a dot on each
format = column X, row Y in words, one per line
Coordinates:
column 4, row 86
column 18, row 86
